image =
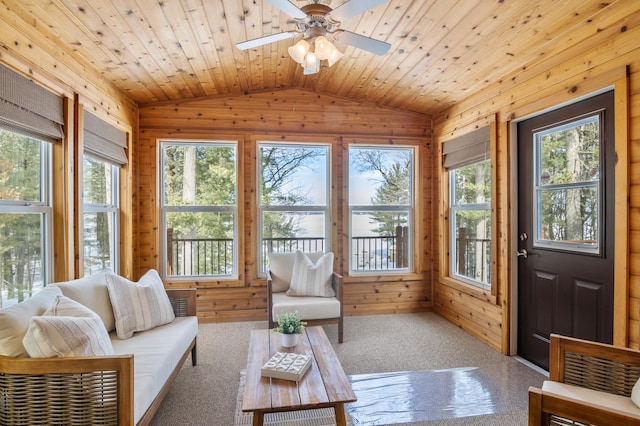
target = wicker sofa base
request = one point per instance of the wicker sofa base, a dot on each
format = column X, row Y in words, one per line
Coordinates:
column 70, row 391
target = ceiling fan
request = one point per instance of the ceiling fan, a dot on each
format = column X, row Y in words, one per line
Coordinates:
column 316, row 21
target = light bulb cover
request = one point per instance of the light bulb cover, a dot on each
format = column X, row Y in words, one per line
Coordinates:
column 323, row 47
column 311, row 63
column 299, row 50
column 334, row 56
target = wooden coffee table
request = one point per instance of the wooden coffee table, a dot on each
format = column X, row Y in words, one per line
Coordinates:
column 324, row 385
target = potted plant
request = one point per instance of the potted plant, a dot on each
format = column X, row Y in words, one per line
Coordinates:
column 289, row 325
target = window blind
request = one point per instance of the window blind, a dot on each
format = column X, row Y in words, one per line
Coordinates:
column 104, row 141
column 28, row 108
column 467, row 149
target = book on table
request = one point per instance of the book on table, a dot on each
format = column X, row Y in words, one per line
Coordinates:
column 288, row 366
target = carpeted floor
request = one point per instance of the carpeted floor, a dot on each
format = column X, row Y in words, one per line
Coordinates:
column 206, row 394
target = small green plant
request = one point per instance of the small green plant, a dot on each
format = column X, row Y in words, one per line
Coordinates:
column 289, row 323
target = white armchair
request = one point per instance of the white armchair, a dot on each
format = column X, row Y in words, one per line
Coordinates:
column 318, row 296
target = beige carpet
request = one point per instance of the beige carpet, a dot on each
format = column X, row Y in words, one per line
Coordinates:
column 320, row 417
column 206, row 395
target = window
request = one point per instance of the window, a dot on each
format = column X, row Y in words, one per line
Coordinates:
column 25, row 216
column 100, row 215
column 199, row 208
column 471, row 222
column 294, row 198
column 31, row 121
column 381, row 200
column 467, row 160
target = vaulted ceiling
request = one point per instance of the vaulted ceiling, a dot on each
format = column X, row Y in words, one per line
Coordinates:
column 441, row 50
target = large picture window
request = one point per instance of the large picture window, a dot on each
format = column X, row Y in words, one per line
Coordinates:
column 100, row 215
column 293, row 198
column 25, row 216
column 200, row 208
column 381, row 203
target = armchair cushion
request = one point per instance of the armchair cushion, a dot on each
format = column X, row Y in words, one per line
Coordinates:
column 309, row 308
column 67, row 328
column 589, row 397
column 281, row 268
column 311, row 278
column 139, row 306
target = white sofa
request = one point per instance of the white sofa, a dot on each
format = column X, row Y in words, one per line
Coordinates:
column 125, row 387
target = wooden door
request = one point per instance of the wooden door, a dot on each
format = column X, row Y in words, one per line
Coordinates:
column 566, row 164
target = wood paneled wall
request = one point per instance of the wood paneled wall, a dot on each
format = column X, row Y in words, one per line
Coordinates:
column 602, row 60
column 287, row 115
column 33, row 51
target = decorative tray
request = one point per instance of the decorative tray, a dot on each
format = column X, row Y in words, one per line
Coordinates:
column 288, row 366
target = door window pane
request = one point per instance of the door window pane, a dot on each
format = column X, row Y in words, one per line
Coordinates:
column 567, row 188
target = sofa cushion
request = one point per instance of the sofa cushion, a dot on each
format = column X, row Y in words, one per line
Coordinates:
column 156, row 354
column 281, row 268
column 311, row 278
column 67, row 328
column 139, row 306
column 309, row 308
column 92, row 292
column 15, row 320
column 591, row 397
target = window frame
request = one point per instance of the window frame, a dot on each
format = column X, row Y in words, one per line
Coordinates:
column 164, row 209
column 113, row 209
column 453, row 246
column 364, row 208
column 42, row 207
column 262, row 209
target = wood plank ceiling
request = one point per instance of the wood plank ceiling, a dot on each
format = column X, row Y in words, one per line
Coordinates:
column 441, row 50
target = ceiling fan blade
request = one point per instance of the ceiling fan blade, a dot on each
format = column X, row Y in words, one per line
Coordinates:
column 352, row 8
column 289, row 8
column 256, row 42
column 361, row 42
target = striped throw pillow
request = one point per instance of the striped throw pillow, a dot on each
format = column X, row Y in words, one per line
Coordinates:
column 311, row 279
column 67, row 328
column 138, row 306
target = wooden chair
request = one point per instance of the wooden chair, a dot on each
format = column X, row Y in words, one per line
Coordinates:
column 313, row 310
column 589, row 383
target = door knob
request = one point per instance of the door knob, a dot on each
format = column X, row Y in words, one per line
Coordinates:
column 523, row 253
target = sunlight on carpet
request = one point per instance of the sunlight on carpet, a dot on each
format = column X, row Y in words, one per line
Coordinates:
column 319, row 417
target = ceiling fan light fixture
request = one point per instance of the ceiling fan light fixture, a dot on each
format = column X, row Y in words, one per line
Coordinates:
column 299, row 50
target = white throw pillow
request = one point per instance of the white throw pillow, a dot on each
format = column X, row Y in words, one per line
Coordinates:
column 15, row 320
column 312, row 279
column 139, row 306
column 635, row 393
column 281, row 268
column 67, row 328
column 92, row 292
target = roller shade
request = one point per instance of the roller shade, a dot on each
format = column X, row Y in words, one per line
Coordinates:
column 467, row 149
column 29, row 109
column 103, row 141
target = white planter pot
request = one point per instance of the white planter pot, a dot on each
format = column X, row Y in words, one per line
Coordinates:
column 289, row 340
